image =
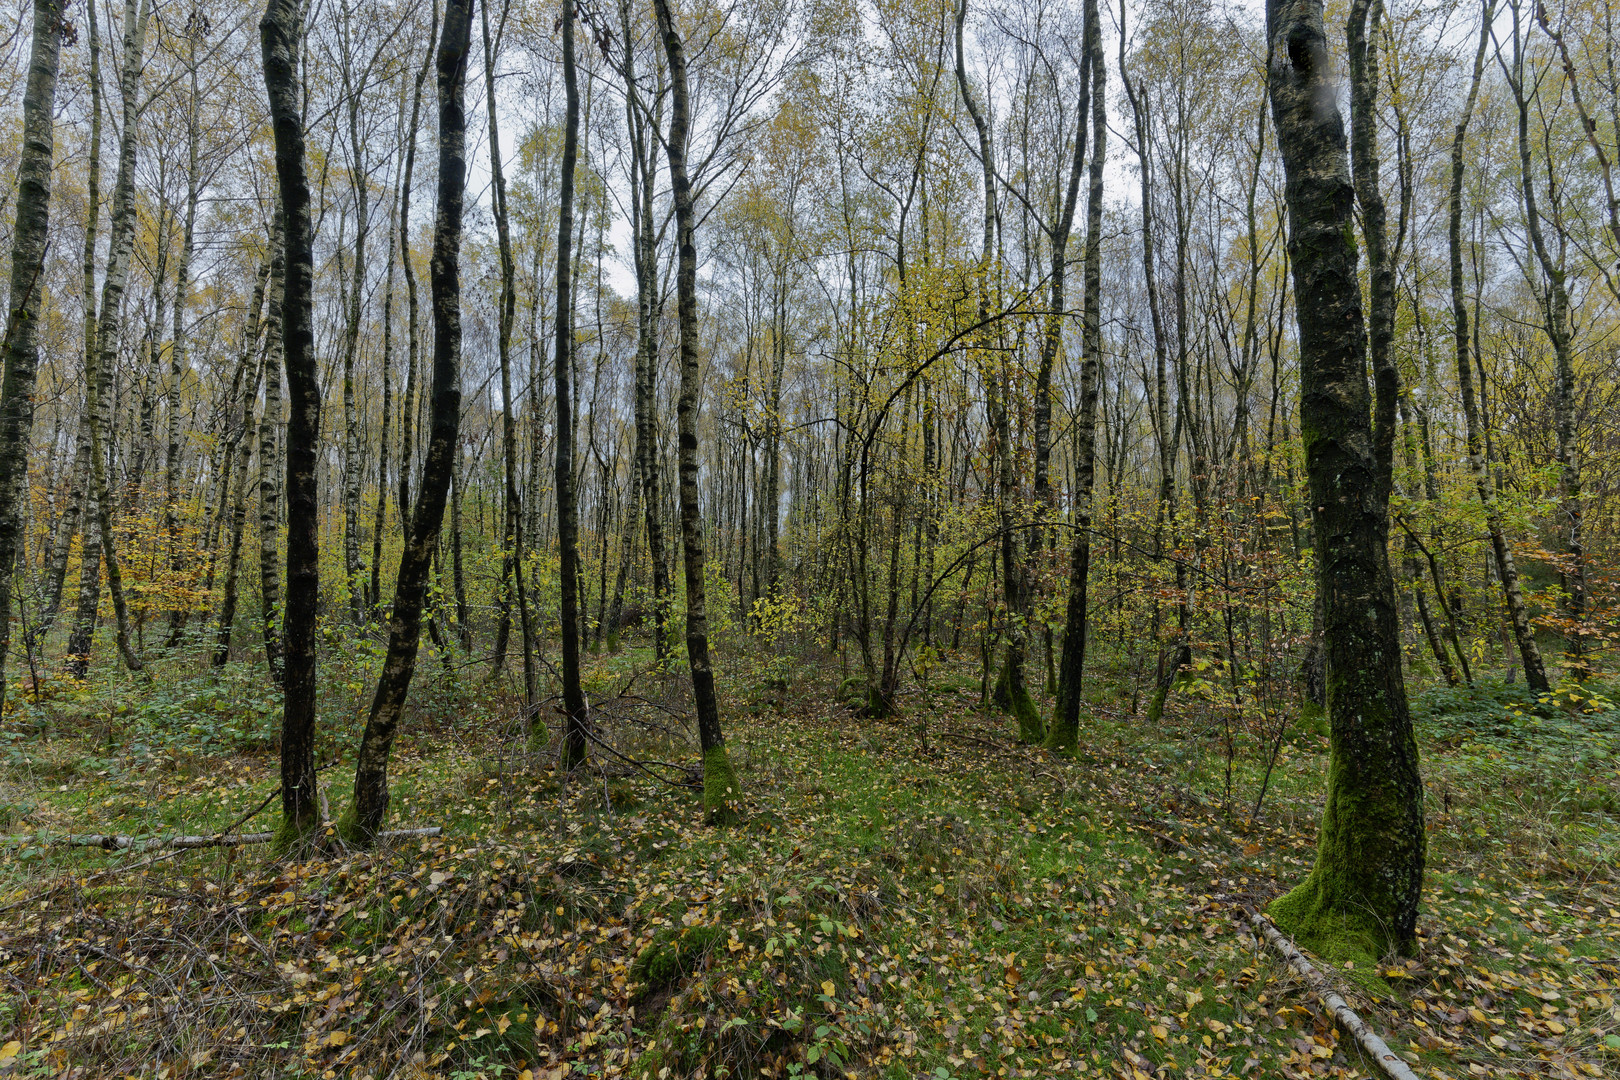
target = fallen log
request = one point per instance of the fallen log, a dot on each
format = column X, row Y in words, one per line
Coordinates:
column 1386, row 1058
column 111, row 842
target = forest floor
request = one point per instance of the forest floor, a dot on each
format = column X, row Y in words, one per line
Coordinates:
column 916, row 897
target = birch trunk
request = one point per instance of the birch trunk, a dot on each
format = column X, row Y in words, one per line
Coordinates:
column 270, row 458
column 27, row 290
column 280, row 35
column 364, row 820
column 1065, row 733
column 1361, row 898
column 720, row 787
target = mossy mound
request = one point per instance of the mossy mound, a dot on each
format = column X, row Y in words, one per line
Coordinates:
column 673, row 955
column 1348, row 940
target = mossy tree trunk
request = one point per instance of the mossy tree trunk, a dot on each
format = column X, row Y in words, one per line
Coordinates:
column 353, row 568
column 1361, row 898
column 720, row 787
column 280, row 37
column 370, row 806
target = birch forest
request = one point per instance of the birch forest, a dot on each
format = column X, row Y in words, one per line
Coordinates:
column 727, row 538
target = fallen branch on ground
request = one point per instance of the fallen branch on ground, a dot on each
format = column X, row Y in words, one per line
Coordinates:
column 117, row 843
column 1387, row 1059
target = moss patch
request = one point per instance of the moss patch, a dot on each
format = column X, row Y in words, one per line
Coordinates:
column 291, row 838
column 721, row 790
column 348, row 829
column 673, row 955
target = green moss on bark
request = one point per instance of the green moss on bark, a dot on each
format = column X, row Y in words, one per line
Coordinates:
column 293, row 839
column 1016, row 700
column 349, row 831
column 1063, row 737
column 573, row 755
column 1334, row 932
column 1155, row 711
column 720, row 788
column 1343, row 910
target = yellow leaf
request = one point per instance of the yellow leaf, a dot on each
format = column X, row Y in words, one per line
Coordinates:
column 939, row 888
column 1193, row 998
column 1498, row 1042
column 501, row 1024
column 1160, row 1031
column 1555, row 1027
column 828, row 988
column 10, row 1050
column 337, row 1038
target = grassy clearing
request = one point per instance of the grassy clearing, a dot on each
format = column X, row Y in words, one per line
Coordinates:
column 919, row 897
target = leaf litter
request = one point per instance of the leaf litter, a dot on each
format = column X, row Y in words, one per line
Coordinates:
column 919, row 898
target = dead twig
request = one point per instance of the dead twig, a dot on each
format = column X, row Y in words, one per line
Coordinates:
column 111, row 842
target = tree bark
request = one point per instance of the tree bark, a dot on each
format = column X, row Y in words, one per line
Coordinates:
column 28, row 243
column 574, row 748
column 1361, row 899
column 270, row 458
column 365, row 817
column 1011, row 692
column 407, row 412
column 512, row 536
column 721, row 790
column 178, row 347
column 353, row 568
column 240, row 448
column 78, row 495
column 644, row 246
column 1553, row 298
column 98, row 380
column 1064, row 735
column 280, row 34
